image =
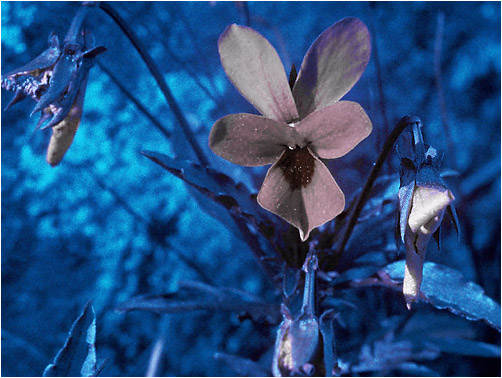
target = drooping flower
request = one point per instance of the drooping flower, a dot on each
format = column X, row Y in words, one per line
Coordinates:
column 56, row 80
column 423, row 200
column 302, row 121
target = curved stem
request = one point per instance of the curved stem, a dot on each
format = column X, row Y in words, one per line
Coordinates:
column 157, row 75
column 365, row 194
column 138, row 104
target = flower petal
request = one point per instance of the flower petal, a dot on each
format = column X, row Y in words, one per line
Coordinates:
column 306, row 207
column 416, row 249
column 255, row 69
column 334, row 131
column 333, row 64
column 428, row 203
column 249, row 140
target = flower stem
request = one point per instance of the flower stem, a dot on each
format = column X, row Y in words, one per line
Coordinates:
column 377, row 166
column 309, row 267
column 76, row 23
column 138, row 104
column 157, row 75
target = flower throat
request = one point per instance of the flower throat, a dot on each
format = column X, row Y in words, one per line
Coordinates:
column 297, row 166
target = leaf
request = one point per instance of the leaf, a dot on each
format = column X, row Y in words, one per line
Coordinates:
column 213, row 184
column 248, row 219
column 445, row 288
column 242, row 366
column 78, row 355
column 193, row 296
column 465, row 347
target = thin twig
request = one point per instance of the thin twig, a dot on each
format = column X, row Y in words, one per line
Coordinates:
column 377, row 166
column 136, row 102
column 378, row 68
column 439, row 87
column 159, row 78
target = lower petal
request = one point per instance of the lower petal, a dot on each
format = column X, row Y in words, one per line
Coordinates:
column 307, row 206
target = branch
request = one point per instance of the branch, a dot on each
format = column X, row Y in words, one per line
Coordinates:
column 159, row 78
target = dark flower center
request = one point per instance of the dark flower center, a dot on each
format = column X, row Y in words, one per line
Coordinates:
column 298, row 166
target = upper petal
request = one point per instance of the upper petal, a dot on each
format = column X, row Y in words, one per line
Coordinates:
column 305, row 207
column 335, row 130
column 249, row 140
column 333, row 64
column 255, row 69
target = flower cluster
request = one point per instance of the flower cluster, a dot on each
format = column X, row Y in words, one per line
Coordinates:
column 56, row 80
column 303, row 119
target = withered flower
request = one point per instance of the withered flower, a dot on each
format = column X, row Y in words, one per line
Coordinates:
column 304, row 345
column 56, row 80
column 302, row 120
column 423, row 200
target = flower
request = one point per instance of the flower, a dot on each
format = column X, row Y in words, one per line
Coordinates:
column 423, row 200
column 56, row 80
column 301, row 122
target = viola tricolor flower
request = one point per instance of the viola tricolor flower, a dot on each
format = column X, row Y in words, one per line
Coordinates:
column 56, row 80
column 302, row 120
column 423, row 200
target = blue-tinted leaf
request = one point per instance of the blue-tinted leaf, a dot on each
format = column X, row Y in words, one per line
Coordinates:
column 78, row 355
column 247, row 218
column 215, row 184
column 193, row 296
column 417, row 370
column 242, row 366
column 445, row 288
column 465, row 347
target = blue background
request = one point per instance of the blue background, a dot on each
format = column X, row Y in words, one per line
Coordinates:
column 108, row 224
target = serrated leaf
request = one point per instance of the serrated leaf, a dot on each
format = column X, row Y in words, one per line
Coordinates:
column 193, row 296
column 78, row 355
column 215, row 183
column 445, row 288
column 247, row 217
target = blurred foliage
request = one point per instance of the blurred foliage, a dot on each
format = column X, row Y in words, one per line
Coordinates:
column 109, row 225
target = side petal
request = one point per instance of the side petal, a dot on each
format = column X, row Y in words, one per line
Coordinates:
column 305, row 207
column 333, row 64
column 249, row 140
column 335, row 130
column 255, row 69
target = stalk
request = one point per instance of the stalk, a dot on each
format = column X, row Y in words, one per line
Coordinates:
column 377, row 166
column 159, row 78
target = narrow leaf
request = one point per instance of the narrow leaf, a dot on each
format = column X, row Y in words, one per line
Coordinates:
column 193, row 296
column 465, row 347
column 78, row 355
column 213, row 183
